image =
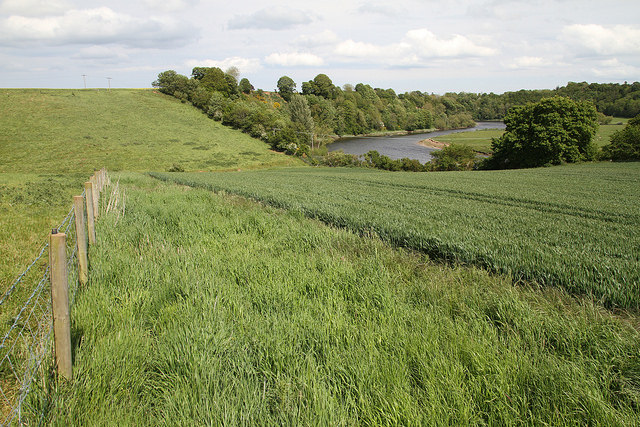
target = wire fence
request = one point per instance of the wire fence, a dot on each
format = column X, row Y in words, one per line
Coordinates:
column 26, row 350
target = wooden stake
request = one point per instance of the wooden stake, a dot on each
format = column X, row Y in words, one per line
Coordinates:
column 88, row 191
column 81, row 239
column 60, row 303
column 96, row 195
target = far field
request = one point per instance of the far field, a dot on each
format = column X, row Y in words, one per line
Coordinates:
column 480, row 140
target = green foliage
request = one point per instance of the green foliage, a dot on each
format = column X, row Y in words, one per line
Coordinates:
column 549, row 132
column 455, row 157
column 258, row 316
column 286, row 87
column 245, row 86
column 564, row 226
column 300, row 113
column 340, row 158
column 625, row 143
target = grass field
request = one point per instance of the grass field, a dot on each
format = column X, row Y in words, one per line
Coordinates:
column 77, row 131
column 52, row 140
column 574, row 226
column 480, row 140
column 263, row 317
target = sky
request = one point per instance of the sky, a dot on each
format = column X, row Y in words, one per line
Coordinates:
column 434, row 46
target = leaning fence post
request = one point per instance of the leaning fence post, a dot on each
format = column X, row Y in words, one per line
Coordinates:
column 88, row 193
column 60, row 302
column 81, row 239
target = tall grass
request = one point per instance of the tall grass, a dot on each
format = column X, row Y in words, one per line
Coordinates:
column 263, row 317
column 573, row 226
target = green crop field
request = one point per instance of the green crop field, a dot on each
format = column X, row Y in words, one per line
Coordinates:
column 574, row 226
column 206, row 309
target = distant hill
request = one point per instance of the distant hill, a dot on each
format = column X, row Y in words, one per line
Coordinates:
column 67, row 131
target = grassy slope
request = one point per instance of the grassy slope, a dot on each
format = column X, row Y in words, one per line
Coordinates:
column 263, row 317
column 576, row 226
column 481, row 140
column 52, row 140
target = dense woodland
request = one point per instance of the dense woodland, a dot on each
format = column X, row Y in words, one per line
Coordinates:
column 296, row 118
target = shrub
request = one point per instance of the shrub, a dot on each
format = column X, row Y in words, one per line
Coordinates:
column 455, row 157
column 625, row 143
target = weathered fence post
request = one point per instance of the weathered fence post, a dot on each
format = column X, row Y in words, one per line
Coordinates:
column 60, row 302
column 81, row 239
column 88, row 192
column 96, row 193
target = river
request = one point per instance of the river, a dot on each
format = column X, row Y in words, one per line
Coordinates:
column 397, row 147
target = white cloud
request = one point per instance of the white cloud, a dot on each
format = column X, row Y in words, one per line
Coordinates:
column 169, row 5
column 94, row 26
column 325, row 38
column 105, row 54
column 384, row 9
column 614, row 69
column 620, row 39
column 416, row 47
column 528, row 62
column 274, row 18
column 245, row 65
column 294, row 59
column 429, row 46
column 34, row 7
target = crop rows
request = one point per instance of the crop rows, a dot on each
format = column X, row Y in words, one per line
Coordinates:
column 577, row 227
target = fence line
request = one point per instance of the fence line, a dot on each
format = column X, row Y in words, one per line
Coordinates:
column 26, row 347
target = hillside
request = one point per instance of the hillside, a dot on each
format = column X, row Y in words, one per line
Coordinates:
column 70, row 131
column 53, row 139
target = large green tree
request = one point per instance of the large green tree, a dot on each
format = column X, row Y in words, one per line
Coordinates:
column 549, row 132
column 286, row 87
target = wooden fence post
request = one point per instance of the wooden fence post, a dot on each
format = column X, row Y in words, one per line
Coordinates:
column 96, row 195
column 88, row 192
column 81, row 239
column 60, row 302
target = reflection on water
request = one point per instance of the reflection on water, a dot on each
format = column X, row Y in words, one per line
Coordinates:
column 397, row 147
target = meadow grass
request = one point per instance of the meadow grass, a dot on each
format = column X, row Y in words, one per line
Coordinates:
column 53, row 139
column 574, row 226
column 260, row 316
column 480, row 140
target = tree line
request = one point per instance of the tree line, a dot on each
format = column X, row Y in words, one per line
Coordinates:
column 299, row 119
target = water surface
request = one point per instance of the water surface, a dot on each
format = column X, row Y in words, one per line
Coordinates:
column 397, row 147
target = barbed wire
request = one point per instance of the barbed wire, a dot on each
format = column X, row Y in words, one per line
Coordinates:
column 26, row 344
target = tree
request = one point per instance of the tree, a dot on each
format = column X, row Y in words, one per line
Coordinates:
column 286, row 87
column 548, row 132
column 300, row 113
column 625, row 143
column 245, row 86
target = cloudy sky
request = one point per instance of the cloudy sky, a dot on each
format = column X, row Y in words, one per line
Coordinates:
column 430, row 45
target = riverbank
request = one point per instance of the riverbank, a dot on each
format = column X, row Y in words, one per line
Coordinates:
column 432, row 143
column 390, row 133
